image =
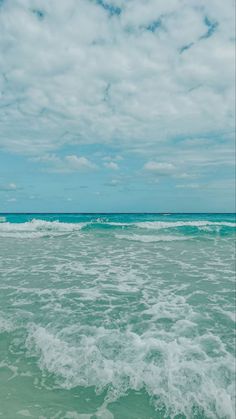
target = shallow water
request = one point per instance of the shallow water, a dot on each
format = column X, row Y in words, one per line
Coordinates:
column 117, row 316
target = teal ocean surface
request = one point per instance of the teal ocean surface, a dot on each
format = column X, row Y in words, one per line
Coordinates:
column 120, row 316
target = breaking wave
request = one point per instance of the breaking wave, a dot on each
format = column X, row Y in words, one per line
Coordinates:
column 156, row 225
column 40, row 228
column 179, row 374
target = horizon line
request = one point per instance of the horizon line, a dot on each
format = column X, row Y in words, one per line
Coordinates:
column 117, row 213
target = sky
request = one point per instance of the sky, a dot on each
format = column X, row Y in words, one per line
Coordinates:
column 117, row 105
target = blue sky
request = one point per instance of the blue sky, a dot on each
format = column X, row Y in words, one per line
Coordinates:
column 117, row 105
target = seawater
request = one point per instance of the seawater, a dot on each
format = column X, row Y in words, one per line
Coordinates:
column 118, row 316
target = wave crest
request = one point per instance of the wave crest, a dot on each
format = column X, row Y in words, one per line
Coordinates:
column 178, row 374
column 38, row 228
column 157, row 225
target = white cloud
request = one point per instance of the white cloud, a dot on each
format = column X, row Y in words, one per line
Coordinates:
column 78, row 163
column 113, row 158
column 70, row 163
column 184, row 176
column 189, row 186
column 160, row 168
column 8, row 187
column 11, row 200
column 111, row 165
column 12, row 186
column 113, row 183
column 73, row 72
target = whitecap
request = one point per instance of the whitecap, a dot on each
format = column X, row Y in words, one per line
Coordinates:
column 6, row 324
column 176, row 371
column 156, row 225
column 38, row 228
column 151, row 238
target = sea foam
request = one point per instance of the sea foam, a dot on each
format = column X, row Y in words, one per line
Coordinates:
column 151, row 238
column 176, row 372
column 41, row 228
column 109, row 314
column 156, row 225
column 38, row 228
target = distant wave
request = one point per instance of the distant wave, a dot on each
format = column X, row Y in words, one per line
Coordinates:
column 38, row 228
column 156, row 225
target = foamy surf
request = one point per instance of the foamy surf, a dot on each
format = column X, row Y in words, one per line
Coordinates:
column 178, row 374
column 150, row 238
column 38, row 229
column 157, row 225
column 107, row 319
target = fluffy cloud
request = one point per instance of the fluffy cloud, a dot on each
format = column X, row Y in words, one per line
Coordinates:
column 78, row 163
column 8, row 187
column 135, row 73
column 160, row 168
column 111, row 165
column 190, row 186
column 11, row 200
column 71, row 163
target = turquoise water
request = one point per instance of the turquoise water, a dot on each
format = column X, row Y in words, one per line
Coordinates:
column 117, row 316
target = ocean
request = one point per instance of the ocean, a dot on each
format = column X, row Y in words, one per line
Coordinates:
column 117, row 316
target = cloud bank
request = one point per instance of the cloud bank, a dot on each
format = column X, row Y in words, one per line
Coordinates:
column 134, row 73
column 132, row 100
